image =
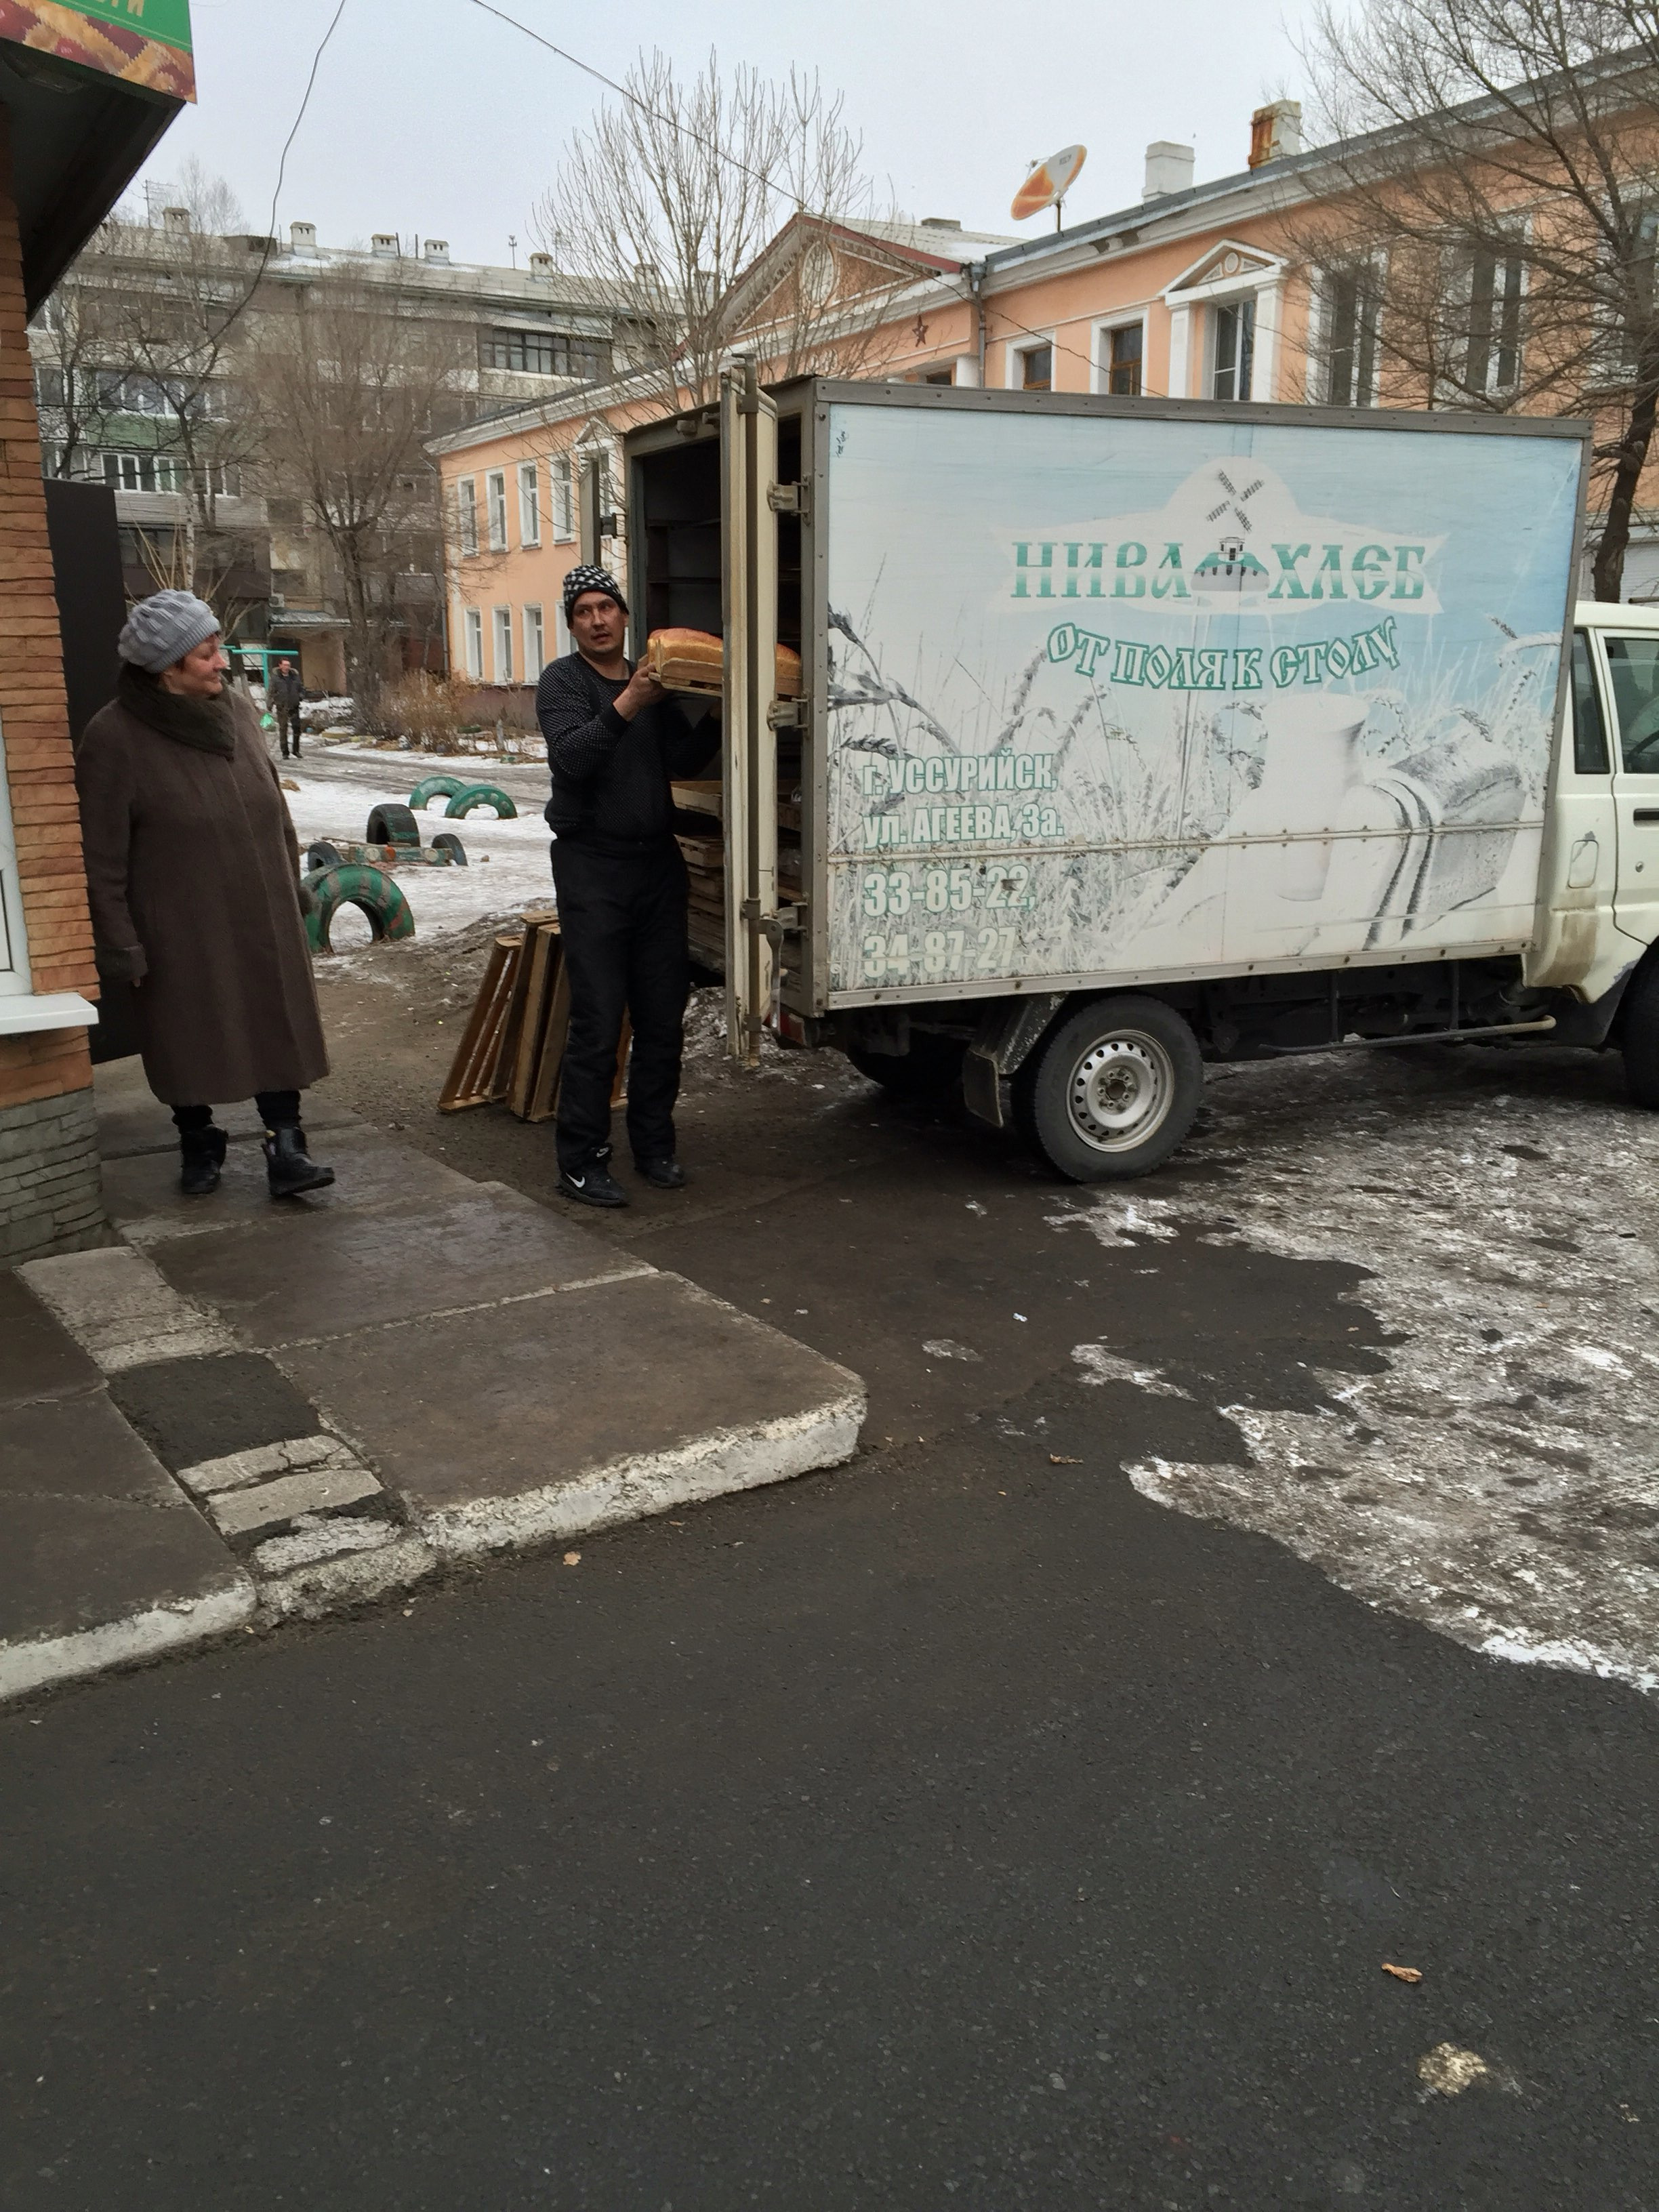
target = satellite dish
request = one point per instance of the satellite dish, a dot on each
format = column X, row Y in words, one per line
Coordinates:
column 1048, row 183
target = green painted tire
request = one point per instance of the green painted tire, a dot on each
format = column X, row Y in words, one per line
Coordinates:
column 447, row 841
column 371, row 891
column 481, row 794
column 434, row 786
column 391, row 824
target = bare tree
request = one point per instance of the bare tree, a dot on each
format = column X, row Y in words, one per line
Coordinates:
column 1494, row 244
column 673, row 193
column 351, row 383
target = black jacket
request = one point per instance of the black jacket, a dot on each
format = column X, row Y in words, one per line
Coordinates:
column 284, row 691
column 610, row 776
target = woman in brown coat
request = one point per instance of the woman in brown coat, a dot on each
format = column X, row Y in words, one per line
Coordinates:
column 193, row 872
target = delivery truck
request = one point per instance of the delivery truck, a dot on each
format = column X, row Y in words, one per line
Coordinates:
column 1132, row 733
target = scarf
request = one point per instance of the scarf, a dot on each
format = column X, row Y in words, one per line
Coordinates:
column 208, row 725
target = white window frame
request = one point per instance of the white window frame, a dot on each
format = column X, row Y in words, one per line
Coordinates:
column 1239, row 304
column 1122, row 319
column 466, row 515
column 530, row 503
column 501, row 642
column 1491, row 385
column 1028, row 342
column 1254, row 271
column 496, row 508
column 535, row 641
column 472, row 642
column 561, row 477
column 1320, row 325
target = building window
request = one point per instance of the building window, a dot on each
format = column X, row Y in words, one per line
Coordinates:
column 1123, row 350
column 939, row 376
column 1350, row 339
column 473, row 625
column 496, row 494
column 1036, row 368
column 149, row 471
column 546, row 353
column 564, row 504
column 1232, row 329
column 466, row 507
column 1494, row 361
column 502, row 624
column 51, row 386
column 530, row 505
column 535, row 650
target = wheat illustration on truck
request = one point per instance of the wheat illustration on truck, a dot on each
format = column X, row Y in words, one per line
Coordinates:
column 1130, row 734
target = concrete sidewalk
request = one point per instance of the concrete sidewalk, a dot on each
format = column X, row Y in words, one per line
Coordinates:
column 239, row 1412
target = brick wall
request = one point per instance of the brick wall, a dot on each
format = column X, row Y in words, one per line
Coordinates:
column 48, row 1142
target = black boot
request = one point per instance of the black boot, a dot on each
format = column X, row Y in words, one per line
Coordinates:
column 290, row 1168
column 202, row 1154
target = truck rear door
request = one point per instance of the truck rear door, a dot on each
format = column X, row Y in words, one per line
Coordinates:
column 748, row 589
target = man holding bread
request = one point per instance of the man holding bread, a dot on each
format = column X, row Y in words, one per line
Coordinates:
column 615, row 741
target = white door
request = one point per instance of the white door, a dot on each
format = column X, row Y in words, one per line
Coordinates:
column 1632, row 666
column 749, row 592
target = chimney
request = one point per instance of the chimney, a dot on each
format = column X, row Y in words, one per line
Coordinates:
column 385, row 245
column 437, row 249
column 541, row 264
column 302, row 237
column 176, row 220
column 1169, row 169
column 1275, row 131
column 941, row 222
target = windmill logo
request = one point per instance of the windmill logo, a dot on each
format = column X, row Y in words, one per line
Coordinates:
column 1233, row 567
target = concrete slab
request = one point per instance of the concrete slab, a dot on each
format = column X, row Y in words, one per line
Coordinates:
column 582, row 1409
column 146, row 1204
column 194, row 1411
column 347, row 1274
column 263, row 1464
column 106, row 1562
column 270, row 1505
column 119, row 1310
column 38, row 1358
column 131, row 1120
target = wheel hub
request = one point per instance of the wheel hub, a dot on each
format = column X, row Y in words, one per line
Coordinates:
column 1120, row 1091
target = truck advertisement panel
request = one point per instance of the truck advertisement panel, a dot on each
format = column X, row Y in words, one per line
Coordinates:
column 1147, row 695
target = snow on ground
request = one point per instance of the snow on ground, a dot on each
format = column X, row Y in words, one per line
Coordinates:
column 506, row 869
column 1495, row 1480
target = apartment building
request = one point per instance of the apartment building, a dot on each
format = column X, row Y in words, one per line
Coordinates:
column 180, row 443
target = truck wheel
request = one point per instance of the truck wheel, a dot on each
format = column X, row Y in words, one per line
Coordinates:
column 1114, row 1090
column 371, row 891
column 1639, row 1035
column 931, row 1070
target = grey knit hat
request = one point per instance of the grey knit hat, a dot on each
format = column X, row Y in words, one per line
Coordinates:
column 590, row 579
column 163, row 627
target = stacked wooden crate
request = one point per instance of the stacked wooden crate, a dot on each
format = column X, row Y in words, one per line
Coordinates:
column 700, row 831
column 512, row 1047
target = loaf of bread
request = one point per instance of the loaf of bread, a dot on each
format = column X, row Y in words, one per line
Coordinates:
column 695, row 661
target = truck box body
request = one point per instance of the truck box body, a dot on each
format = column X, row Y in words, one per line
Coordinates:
column 1102, row 691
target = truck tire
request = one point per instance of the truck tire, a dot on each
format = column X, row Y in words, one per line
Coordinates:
column 1113, row 1091
column 447, row 841
column 322, row 854
column 1639, row 1035
column 931, row 1070
column 481, row 794
column 392, row 824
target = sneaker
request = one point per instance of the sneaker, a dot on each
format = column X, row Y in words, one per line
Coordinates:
column 594, row 1186
column 662, row 1174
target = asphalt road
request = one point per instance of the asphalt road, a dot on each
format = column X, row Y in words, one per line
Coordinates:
column 992, row 1823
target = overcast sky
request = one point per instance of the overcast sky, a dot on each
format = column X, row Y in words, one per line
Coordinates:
column 429, row 116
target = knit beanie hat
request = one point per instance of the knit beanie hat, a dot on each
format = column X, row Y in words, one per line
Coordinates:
column 587, row 578
column 163, row 629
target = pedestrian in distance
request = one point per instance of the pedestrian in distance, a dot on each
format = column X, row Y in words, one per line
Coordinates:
column 192, row 872
column 283, row 697
column 615, row 740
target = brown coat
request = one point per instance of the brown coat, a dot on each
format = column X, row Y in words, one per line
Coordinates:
column 191, row 869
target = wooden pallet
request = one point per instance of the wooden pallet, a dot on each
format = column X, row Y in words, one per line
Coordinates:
column 513, row 1048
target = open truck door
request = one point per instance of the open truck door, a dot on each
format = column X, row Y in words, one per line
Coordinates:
column 748, row 602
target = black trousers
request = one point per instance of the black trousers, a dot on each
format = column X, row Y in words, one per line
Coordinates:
column 622, row 923
column 278, row 1109
column 288, row 730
